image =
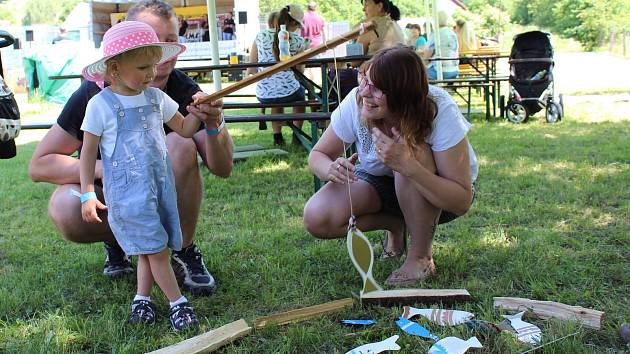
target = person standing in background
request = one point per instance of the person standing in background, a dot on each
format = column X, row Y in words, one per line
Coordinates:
column 314, row 26
column 229, row 27
column 183, row 29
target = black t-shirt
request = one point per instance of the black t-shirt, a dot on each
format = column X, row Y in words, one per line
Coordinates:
column 226, row 25
column 179, row 87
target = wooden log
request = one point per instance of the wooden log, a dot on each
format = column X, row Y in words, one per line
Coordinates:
column 549, row 309
column 404, row 296
column 209, row 341
column 302, row 314
column 284, row 65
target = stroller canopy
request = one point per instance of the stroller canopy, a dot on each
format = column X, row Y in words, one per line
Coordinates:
column 534, row 44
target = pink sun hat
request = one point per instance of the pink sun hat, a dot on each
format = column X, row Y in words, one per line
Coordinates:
column 125, row 36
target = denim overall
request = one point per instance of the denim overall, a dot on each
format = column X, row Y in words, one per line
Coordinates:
column 139, row 182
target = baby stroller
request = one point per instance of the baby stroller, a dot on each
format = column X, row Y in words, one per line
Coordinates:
column 531, row 79
column 9, row 113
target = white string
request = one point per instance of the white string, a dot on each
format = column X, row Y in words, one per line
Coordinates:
column 345, row 151
column 546, row 344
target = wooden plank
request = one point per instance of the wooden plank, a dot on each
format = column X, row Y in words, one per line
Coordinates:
column 303, row 314
column 209, row 341
column 284, row 65
column 550, row 309
column 243, row 155
column 402, row 296
column 252, row 147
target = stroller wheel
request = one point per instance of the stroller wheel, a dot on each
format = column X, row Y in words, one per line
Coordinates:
column 516, row 113
column 553, row 112
column 561, row 102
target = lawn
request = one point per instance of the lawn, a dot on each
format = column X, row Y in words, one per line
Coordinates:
column 551, row 222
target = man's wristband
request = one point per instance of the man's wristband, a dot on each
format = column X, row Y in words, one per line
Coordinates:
column 87, row 196
column 217, row 130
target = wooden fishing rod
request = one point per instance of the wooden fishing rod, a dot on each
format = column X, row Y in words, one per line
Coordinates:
column 284, row 65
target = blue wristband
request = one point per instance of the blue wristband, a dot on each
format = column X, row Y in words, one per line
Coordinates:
column 87, row 196
column 217, row 130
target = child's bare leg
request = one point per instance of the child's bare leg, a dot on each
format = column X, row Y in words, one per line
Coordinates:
column 145, row 277
column 182, row 315
column 142, row 309
column 163, row 274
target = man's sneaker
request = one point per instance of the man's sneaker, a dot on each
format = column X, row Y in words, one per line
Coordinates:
column 117, row 263
column 142, row 311
column 183, row 317
column 189, row 267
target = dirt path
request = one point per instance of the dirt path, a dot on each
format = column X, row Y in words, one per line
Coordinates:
column 590, row 72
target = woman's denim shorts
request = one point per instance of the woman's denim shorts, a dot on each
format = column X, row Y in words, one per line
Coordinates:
column 386, row 189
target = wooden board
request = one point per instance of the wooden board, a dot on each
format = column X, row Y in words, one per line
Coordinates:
column 403, row 296
column 209, row 341
column 284, row 65
column 252, row 147
column 303, row 314
column 243, row 155
column 549, row 309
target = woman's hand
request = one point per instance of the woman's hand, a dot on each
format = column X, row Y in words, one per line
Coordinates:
column 341, row 170
column 397, row 155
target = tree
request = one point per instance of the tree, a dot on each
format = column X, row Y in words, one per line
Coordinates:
column 52, row 12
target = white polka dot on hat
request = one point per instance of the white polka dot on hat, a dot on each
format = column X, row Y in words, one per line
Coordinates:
column 125, row 36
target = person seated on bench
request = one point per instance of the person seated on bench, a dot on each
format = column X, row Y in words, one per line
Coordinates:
column 449, row 48
column 468, row 41
column 281, row 87
column 416, row 168
column 416, row 40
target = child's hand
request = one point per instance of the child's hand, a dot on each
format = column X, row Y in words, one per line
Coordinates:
column 209, row 113
column 89, row 210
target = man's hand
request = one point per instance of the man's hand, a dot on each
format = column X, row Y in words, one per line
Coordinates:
column 209, row 113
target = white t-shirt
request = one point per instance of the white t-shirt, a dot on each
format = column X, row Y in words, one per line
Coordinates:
column 449, row 128
column 449, row 48
column 101, row 121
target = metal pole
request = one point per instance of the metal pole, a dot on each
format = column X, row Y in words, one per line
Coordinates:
column 214, row 45
column 438, row 52
column 624, row 42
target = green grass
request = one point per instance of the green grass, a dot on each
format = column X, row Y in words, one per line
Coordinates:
column 551, row 222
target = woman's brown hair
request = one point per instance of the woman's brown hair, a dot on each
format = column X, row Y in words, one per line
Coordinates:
column 399, row 72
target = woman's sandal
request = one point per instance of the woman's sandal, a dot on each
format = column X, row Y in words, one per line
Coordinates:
column 398, row 278
column 390, row 254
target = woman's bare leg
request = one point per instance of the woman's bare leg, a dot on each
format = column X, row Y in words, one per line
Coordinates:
column 327, row 212
column 421, row 219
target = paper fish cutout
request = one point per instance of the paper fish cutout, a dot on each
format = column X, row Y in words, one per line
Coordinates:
column 358, row 322
column 415, row 329
column 454, row 345
column 362, row 256
column 439, row 316
column 525, row 331
column 377, row 347
column 483, row 327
